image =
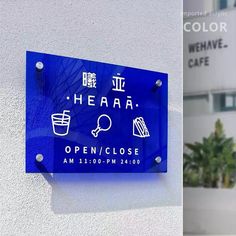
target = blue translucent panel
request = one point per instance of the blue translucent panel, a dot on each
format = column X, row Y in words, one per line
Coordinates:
column 87, row 116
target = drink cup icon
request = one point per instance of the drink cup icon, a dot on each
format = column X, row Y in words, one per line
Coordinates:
column 60, row 123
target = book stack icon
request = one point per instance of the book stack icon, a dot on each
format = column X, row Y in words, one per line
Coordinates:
column 139, row 128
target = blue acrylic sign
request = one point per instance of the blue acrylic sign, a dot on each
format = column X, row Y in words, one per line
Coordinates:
column 87, row 116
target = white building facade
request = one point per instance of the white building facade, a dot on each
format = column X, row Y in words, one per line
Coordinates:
column 209, row 74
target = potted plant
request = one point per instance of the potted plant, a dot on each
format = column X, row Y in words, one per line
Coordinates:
column 209, row 173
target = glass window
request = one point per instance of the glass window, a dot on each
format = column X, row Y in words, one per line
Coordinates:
column 229, row 101
column 222, row 4
column 196, row 105
column 224, row 102
column 231, row 3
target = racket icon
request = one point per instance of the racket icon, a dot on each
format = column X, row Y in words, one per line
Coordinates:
column 103, row 124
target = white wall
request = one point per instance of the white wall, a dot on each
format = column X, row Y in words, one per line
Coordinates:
column 201, row 6
column 220, row 74
column 145, row 34
column 197, row 127
column 209, row 211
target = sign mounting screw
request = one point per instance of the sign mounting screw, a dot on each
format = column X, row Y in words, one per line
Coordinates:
column 39, row 158
column 39, row 65
column 158, row 160
column 158, row 83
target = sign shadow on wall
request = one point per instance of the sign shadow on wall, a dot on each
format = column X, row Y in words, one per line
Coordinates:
column 103, row 192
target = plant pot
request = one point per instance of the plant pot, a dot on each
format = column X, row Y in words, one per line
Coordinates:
column 209, row 211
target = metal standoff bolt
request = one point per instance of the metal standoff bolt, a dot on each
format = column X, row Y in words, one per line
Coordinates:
column 39, row 157
column 39, row 65
column 158, row 83
column 158, row 160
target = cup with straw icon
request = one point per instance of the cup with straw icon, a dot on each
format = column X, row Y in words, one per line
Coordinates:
column 61, row 123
